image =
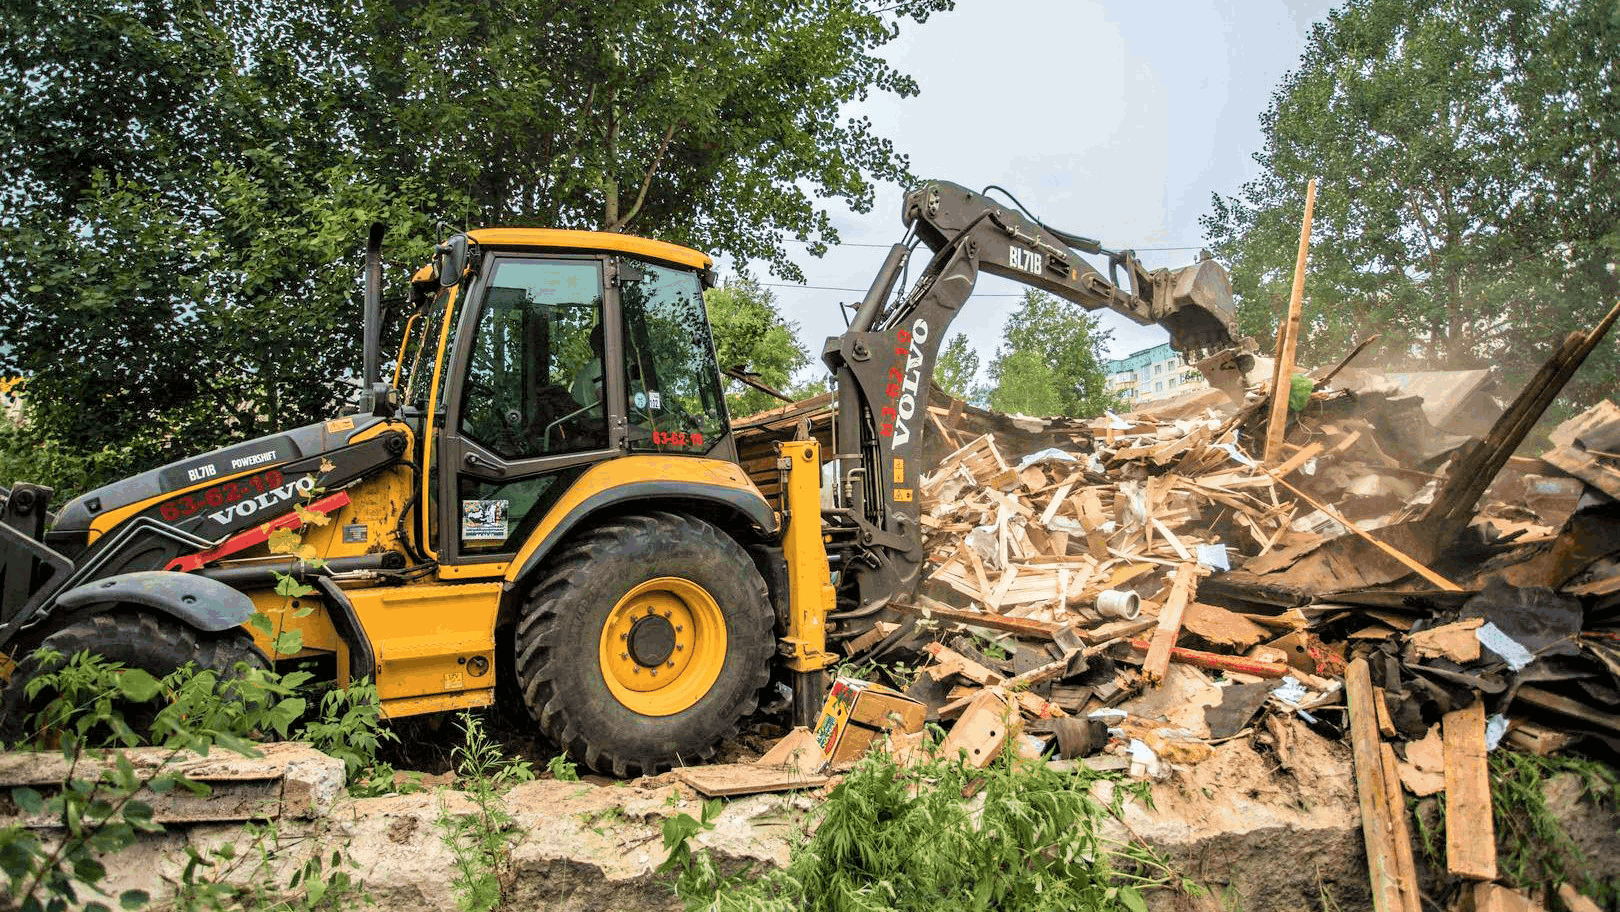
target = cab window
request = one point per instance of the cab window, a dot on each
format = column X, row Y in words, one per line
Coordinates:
column 534, row 378
column 672, row 381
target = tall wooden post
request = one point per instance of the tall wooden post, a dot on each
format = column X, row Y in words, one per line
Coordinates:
column 1288, row 340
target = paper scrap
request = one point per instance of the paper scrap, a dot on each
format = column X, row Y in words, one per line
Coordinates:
column 1214, row 556
column 1492, row 638
column 1050, row 454
column 1496, row 728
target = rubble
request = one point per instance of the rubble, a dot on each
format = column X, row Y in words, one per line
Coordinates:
column 1148, row 574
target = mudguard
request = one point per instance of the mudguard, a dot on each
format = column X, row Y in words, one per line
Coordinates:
column 739, row 498
column 197, row 601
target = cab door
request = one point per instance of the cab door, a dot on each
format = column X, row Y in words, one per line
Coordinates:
column 533, row 401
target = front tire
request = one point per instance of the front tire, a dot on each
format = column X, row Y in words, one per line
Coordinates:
column 153, row 643
column 646, row 642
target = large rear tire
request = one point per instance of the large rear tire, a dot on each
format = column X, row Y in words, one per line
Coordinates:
column 153, row 643
column 646, row 642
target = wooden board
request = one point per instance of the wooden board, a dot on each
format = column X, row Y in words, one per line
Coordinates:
column 1470, row 828
column 1378, row 826
column 1164, row 637
column 723, row 779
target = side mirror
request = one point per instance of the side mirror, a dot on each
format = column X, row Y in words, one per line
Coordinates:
column 452, row 255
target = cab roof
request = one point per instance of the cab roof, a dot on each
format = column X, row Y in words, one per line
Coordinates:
column 591, row 240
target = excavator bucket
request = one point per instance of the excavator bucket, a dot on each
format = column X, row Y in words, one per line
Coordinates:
column 1202, row 322
column 1197, row 309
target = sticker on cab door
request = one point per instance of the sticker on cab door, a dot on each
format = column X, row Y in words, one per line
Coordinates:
column 484, row 520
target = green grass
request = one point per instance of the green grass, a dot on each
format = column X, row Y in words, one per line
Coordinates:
column 893, row 839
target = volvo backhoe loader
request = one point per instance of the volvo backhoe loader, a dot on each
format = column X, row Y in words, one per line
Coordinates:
column 544, row 500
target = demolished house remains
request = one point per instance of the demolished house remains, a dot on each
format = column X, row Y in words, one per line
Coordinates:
column 1129, row 590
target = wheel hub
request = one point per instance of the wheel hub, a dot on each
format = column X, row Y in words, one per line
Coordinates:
column 652, row 639
column 663, row 646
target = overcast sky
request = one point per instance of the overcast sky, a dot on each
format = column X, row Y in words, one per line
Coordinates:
column 1110, row 119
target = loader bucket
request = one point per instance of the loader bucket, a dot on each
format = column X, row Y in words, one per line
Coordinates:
column 1199, row 314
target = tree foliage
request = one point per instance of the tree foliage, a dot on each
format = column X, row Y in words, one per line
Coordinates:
column 957, row 369
column 1468, row 157
column 1050, row 361
column 190, row 182
column 750, row 333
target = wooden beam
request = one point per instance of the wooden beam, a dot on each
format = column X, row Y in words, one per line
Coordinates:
column 1377, row 824
column 927, row 607
column 1401, row 832
column 1164, row 638
column 1216, row 662
column 1289, row 342
column 1470, row 829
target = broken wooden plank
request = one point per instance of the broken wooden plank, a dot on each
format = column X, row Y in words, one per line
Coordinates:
column 986, row 725
column 1470, row 828
column 1305, row 454
column 1574, row 900
column 1221, row 627
column 1535, row 696
column 1401, row 833
column 981, row 675
column 927, row 607
column 1458, row 641
column 1490, row 897
column 1282, row 380
column 721, row 780
column 1164, row 637
column 287, row 780
column 1377, row 824
column 798, row 751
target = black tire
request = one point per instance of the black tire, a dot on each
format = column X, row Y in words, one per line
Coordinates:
column 153, row 643
column 560, row 636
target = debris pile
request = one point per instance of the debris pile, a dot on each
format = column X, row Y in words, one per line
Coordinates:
column 1130, row 591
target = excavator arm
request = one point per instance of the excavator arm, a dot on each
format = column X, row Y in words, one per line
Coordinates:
column 884, row 364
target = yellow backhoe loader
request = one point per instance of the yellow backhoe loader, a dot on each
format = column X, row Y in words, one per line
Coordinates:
column 544, row 500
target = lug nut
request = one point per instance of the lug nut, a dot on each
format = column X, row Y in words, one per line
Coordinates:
column 672, row 663
column 624, row 655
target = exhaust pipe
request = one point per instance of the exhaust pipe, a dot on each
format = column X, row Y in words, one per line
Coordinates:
column 371, row 340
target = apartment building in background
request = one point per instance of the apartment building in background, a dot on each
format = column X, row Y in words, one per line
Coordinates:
column 1150, row 374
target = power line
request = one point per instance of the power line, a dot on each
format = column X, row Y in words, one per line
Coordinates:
column 887, row 246
column 859, row 290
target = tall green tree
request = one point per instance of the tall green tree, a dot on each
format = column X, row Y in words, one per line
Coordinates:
column 1050, row 360
column 189, row 183
column 957, row 369
column 1468, row 155
column 750, row 334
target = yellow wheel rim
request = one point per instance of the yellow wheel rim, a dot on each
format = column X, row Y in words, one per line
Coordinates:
column 663, row 646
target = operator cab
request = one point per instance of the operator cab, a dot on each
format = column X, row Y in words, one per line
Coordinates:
column 540, row 353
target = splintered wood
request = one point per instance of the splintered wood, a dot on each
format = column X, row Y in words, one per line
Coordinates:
column 1040, row 536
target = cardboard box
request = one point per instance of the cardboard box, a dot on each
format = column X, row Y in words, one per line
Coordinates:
column 857, row 712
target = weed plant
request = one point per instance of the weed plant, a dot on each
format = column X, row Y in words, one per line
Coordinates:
column 897, row 839
column 1537, row 851
column 482, row 842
